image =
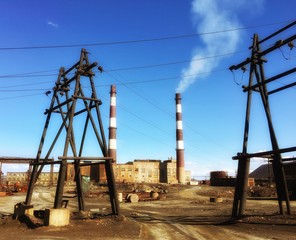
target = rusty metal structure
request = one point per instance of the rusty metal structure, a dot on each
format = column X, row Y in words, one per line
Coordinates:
column 179, row 141
column 74, row 95
column 256, row 68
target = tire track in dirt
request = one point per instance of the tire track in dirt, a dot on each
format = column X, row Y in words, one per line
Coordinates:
column 168, row 231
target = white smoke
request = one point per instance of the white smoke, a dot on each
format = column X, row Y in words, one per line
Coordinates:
column 212, row 16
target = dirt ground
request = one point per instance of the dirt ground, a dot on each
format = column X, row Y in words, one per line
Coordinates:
column 182, row 212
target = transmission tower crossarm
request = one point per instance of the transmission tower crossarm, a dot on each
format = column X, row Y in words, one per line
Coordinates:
column 90, row 99
column 58, row 106
column 283, row 74
column 278, row 44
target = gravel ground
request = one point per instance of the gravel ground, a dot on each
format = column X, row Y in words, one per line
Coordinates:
column 184, row 212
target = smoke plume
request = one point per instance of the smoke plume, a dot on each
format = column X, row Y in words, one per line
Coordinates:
column 211, row 16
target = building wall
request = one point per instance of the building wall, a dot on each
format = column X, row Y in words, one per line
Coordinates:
column 124, row 172
column 147, row 171
column 22, row 178
column 169, row 171
column 84, row 171
column 187, row 176
column 45, row 178
column 14, row 177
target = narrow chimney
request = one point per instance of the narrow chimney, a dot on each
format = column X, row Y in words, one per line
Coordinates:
column 179, row 143
column 112, row 124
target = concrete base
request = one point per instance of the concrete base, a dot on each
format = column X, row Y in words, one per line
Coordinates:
column 21, row 209
column 57, row 217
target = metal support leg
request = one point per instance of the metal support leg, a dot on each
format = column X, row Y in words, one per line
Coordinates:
column 112, row 188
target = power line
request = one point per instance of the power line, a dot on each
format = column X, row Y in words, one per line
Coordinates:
column 23, row 90
column 138, row 40
column 164, row 110
column 157, row 127
column 27, row 74
column 6, row 88
column 159, row 79
column 141, row 96
column 141, row 118
column 23, row 96
column 22, row 85
column 36, row 74
column 172, row 63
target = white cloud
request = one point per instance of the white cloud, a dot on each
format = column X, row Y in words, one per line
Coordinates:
column 211, row 16
column 55, row 25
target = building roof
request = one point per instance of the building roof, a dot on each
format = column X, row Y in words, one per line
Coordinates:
column 146, row 160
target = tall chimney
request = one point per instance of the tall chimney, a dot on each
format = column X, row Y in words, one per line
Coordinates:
column 112, row 124
column 179, row 143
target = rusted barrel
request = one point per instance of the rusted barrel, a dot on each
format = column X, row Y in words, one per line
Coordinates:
column 154, row 195
column 133, row 198
column 216, row 199
column 119, row 196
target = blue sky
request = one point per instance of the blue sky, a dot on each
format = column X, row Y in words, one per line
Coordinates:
column 212, row 99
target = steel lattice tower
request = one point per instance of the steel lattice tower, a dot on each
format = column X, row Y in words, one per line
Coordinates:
column 74, row 94
column 258, row 83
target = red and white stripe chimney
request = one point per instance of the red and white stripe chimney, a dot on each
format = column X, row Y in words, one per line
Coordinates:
column 179, row 143
column 112, row 124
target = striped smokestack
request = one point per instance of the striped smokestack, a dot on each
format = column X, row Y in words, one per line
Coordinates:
column 179, row 143
column 112, row 124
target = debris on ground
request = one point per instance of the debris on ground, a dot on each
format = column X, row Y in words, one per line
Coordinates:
column 262, row 191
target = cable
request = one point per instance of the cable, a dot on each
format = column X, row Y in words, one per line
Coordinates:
column 157, row 127
column 164, row 110
column 141, row 96
column 172, row 63
column 34, row 74
column 125, row 83
column 28, row 74
column 23, row 90
column 161, row 79
column 30, row 95
column 172, row 116
column 138, row 40
column 22, row 85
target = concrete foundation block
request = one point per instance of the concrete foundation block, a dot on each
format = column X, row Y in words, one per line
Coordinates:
column 30, row 211
column 57, row 217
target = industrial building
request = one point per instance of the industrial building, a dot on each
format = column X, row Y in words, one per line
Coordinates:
column 138, row 171
column 45, row 178
column 149, row 171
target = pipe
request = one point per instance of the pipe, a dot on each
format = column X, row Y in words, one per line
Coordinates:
column 179, row 142
column 112, row 125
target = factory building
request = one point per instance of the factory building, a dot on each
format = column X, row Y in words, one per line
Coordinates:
column 45, row 178
column 149, row 171
column 138, row 171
